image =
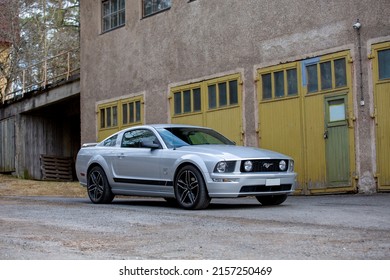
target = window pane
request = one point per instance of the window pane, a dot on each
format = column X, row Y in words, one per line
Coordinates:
column 292, row 82
column 147, row 7
column 326, row 75
column 233, row 92
column 279, row 84
column 340, row 72
column 138, row 111
column 177, row 102
column 212, row 97
column 114, row 20
column 312, row 80
column 108, row 112
column 115, row 116
column 197, row 99
column 384, row 64
column 114, row 6
column 122, row 17
column 106, row 23
column 121, row 4
column 131, row 112
column 267, row 87
column 222, row 94
column 336, row 110
column 106, row 8
column 102, row 118
column 124, row 114
column 187, row 101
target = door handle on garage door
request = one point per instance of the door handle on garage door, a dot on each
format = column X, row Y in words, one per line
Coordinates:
column 326, row 134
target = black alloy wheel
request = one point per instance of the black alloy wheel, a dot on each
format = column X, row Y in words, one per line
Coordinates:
column 190, row 189
column 99, row 191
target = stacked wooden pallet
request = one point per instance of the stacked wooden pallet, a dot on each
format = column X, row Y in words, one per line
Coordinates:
column 56, row 168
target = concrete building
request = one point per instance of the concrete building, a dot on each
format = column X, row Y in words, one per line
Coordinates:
column 307, row 78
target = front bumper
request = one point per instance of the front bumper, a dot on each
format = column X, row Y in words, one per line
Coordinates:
column 222, row 185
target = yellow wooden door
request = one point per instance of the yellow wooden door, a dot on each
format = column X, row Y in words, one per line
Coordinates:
column 381, row 75
column 280, row 129
column 298, row 105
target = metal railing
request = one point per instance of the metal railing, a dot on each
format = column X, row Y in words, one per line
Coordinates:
column 38, row 76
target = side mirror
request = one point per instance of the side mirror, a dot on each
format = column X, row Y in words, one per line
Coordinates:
column 149, row 144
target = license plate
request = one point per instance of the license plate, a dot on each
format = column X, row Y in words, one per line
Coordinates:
column 272, row 182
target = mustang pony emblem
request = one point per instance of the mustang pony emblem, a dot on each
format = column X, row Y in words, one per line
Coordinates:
column 267, row 165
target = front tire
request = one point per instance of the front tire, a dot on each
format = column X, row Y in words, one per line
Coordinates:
column 99, row 191
column 190, row 189
column 271, row 199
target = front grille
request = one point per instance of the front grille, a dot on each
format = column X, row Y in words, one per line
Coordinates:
column 265, row 165
column 263, row 188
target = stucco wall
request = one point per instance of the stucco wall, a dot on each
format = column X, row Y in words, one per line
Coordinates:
column 206, row 38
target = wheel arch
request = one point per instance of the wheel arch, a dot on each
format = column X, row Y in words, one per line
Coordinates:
column 188, row 163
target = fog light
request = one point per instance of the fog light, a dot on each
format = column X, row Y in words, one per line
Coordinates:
column 248, row 166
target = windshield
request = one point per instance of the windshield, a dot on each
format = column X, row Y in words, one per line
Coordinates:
column 184, row 136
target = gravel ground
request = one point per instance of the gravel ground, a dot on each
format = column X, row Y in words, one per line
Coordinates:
column 62, row 227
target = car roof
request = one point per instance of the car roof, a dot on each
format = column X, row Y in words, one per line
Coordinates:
column 172, row 125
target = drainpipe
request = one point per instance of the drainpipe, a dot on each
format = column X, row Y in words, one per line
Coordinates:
column 357, row 25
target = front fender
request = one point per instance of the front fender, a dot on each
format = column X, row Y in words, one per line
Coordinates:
column 205, row 165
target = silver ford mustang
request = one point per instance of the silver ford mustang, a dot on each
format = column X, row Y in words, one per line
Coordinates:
column 186, row 165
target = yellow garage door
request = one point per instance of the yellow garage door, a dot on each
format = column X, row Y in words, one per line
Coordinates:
column 214, row 103
column 305, row 112
column 381, row 75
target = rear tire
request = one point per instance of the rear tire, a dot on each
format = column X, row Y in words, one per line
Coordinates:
column 190, row 189
column 272, row 199
column 98, row 188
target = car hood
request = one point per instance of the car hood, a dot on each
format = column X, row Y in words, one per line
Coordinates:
column 230, row 152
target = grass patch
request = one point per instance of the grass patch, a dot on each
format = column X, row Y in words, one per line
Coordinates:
column 12, row 186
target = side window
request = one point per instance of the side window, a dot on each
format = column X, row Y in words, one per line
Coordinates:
column 134, row 138
column 110, row 141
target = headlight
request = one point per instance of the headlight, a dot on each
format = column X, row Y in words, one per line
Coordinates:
column 282, row 165
column 225, row 167
column 221, row 166
column 248, row 166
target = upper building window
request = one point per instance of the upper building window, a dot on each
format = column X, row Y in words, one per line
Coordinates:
column 113, row 12
column 154, row 6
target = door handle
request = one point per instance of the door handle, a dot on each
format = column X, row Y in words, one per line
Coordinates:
column 326, row 134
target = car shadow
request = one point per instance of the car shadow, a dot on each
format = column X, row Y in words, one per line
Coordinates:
column 216, row 204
